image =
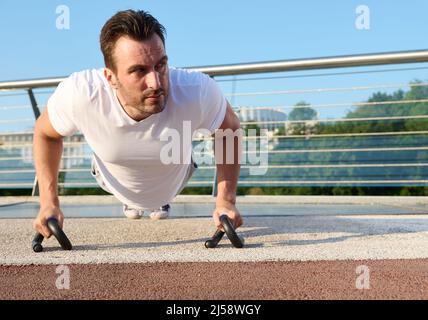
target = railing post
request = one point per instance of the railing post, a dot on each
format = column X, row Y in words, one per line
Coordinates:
column 36, row 111
column 214, row 192
column 214, row 183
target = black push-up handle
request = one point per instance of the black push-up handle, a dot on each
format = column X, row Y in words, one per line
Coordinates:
column 56, row 230
column 212, row 243
column 237, row 241
column 231, row 233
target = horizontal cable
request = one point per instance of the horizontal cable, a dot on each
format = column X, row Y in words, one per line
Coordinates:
column 10, row 93
column 88, row 184
column 60, row 184
column 259, row 182
column 364, row 134
column 11, row 145
column 322, row 74
column 313, row 106
column 336, row 120
column 17, row 171
column 319, row 90
column 15, row 107
column 30, row 158
column 315, row 166
column 339, row 150
column 323, row 150
column 334, row 182
column 17, row 120
column 14, row 133
column 16, row 185
column 261, row 151
column 270, row 138
column 33, row 170
column 297, row 182
column 306, row 136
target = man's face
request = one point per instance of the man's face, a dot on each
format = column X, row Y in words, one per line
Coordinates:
column 141, row 77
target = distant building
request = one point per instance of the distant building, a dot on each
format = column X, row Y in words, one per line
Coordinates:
column 262, row 114
column 73, row 153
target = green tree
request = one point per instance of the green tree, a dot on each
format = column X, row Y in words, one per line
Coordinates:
column 253, row 127
column 302, row 111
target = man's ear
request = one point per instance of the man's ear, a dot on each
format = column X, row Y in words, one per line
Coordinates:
column 111, row 77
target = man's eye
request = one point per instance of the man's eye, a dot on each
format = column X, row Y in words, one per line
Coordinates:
column 138, row 71
column 161, row 66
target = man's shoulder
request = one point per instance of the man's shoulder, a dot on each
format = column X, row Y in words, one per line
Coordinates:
column 86, row 83
column 88, row 77
column 186, row 77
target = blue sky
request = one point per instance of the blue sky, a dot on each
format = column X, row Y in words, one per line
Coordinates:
column 212, row 33
column 206, row 32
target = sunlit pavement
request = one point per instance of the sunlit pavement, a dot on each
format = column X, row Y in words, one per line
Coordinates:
column 317, row 229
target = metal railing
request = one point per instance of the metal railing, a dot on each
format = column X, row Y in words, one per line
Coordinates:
column 266, row 67
column 300, row 151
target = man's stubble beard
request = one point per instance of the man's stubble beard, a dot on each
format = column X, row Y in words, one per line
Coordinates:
column 140, row 104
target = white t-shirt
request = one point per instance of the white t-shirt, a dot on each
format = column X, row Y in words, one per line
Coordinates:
column 129, row 153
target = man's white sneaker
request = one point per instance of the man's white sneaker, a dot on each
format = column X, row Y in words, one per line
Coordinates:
column 132, row 213
column 161, row 213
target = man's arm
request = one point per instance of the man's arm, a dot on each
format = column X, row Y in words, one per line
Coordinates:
column 47, row 151
column 228, row 167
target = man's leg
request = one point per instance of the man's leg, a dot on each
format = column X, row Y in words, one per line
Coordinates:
column 97, row 176
column 163, row 212
column 131, row 213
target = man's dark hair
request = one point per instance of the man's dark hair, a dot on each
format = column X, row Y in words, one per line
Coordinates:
column 138, row 25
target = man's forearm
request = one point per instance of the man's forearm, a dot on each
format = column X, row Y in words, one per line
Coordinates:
column 47, row 157
column 227, row 177
column 228, row 171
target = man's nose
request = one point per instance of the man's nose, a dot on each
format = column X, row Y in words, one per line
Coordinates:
column 153, row 80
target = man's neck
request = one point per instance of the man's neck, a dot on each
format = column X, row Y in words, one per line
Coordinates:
column 132, row 112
